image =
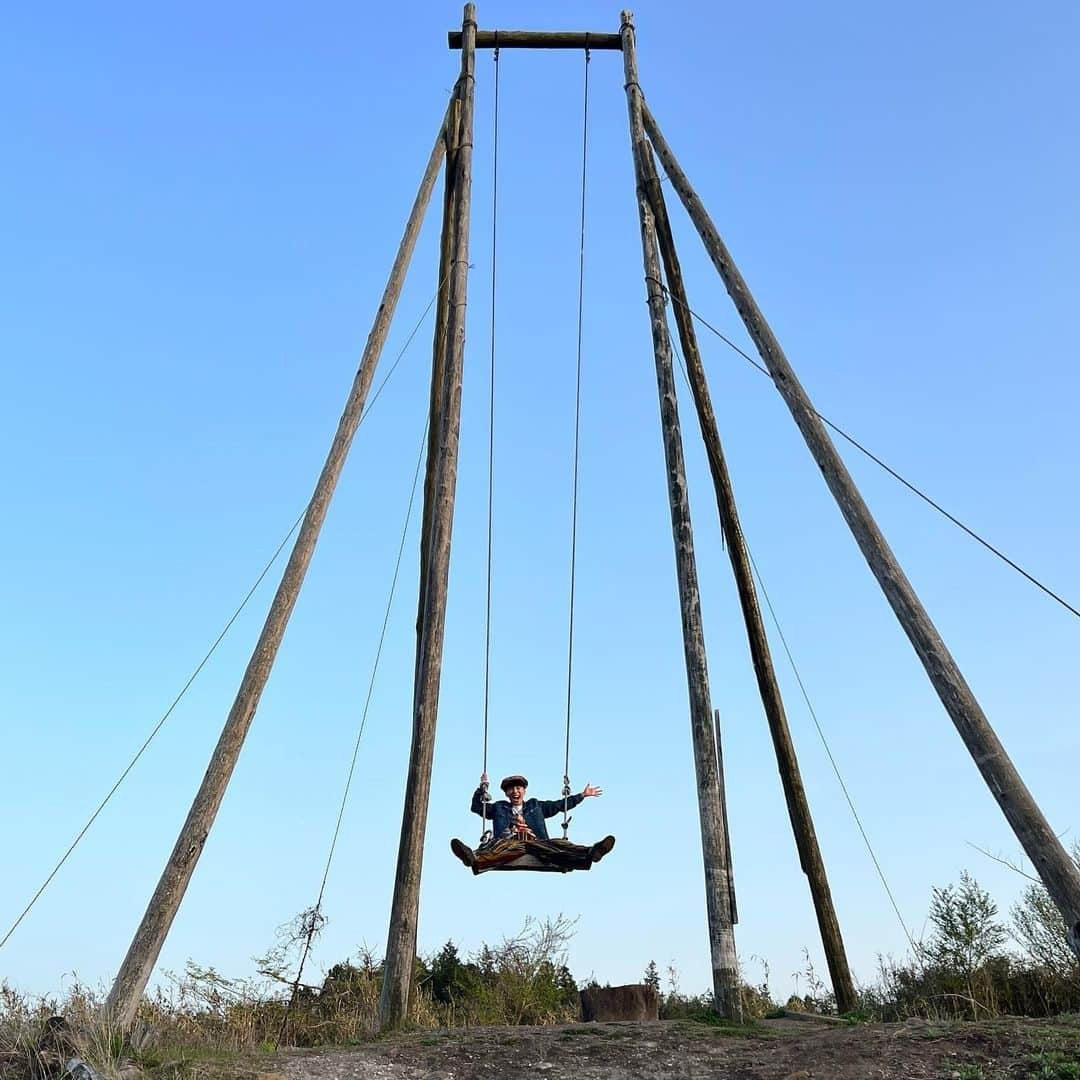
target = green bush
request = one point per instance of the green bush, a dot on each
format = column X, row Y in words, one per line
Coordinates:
column 964, row 969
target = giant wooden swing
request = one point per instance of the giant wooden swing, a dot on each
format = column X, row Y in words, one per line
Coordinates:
column 454, row 143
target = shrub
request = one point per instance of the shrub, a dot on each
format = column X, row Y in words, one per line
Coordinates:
column 964, row 969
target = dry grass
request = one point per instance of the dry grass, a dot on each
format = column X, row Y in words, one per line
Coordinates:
column 202, row 1016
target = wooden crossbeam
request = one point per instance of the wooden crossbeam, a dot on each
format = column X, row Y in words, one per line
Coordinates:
column 538, row 39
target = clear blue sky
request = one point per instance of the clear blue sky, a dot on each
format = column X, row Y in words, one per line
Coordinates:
column 201, row 206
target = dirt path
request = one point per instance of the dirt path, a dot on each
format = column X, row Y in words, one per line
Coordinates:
column 774, row 1050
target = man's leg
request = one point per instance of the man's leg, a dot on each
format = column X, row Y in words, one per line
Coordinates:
column 601, row 848
column 497, row 854
column 463, row 852
column 561, row 853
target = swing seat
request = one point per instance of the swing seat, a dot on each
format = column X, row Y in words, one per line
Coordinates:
column 539, row 856
column 526, row 862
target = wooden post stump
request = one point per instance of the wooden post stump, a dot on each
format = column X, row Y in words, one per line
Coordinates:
column 632, row 1002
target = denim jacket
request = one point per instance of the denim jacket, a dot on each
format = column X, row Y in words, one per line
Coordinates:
column 533, row 810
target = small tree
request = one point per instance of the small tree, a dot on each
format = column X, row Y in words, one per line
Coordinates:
column 967, row 938
column 651, row 978
column 453, row 982
column 966, row 931
column 1039, row 928
column 525, row 979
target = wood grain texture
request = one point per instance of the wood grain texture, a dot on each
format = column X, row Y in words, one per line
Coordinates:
column 1056, row 869
column 404, row 912
column 802, row 822
column 146, row 946
column 718, row 874
column 438, row 362
column 537, row 39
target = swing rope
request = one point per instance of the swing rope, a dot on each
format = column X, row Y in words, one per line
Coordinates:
column 313, row 920
column 577, row 455
column 486, row 834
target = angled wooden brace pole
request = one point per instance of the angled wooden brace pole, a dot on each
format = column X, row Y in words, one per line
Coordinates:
column 1058, row 872
column 141, row 957
column 802, row 823
column 438, row 366
column 439, row 490
column 718, row 876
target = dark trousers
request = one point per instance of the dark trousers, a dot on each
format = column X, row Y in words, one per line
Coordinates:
column 558, row 856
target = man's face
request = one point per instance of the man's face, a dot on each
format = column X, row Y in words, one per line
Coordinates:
column 516, row 794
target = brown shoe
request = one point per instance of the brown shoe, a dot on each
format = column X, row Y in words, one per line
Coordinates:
column 601, row 848
column 464, row 853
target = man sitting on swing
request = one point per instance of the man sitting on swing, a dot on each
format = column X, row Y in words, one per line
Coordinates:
column 519, row 838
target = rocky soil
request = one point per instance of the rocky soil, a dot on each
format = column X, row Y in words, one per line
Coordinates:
column 775, row 1049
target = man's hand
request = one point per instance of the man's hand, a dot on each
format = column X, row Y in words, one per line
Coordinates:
column 483, row 779
column 590, row 790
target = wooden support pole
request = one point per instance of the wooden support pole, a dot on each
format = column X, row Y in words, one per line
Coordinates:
column 438, row 364
column 404, row 912
column 718, row 878
column 1056, row 869
column 802, row 823
column 146, row 946
column 537, row 39
column 722, row 787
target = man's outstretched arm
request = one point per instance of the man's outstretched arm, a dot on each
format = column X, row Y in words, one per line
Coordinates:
column 549, row 808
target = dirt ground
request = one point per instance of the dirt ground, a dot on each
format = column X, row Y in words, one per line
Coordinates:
column 774, row 1049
